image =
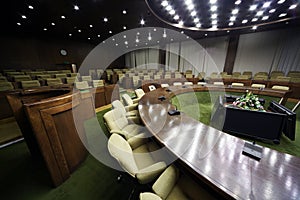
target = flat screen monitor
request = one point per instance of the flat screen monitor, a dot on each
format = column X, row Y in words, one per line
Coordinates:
column 289, row 127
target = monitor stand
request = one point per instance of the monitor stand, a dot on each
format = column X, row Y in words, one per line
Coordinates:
column 252, row 150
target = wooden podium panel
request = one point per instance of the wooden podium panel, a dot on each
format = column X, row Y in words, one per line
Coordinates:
column 51, row 121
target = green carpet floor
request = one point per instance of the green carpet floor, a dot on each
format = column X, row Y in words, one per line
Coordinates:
column 199, row 105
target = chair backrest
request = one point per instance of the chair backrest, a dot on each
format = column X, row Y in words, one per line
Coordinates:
column 139, row 93
column 188, row 83
column 53, row 81
column 166, row 182
column 238, row 84
column 164, row 85
column 82, row 85
column 115, row 119
column 280, row 87
column 30, row 84
column 127, row 100
column 255, row 85
column 98, row 83
column 5, row 85
column 152, row 87
column 120, row 149
column 177, row 83
column 86, row 78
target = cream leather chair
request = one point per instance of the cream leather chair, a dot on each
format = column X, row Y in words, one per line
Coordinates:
column 131, row 113
column 171, row 185
column 117, row 123
column 138, row 163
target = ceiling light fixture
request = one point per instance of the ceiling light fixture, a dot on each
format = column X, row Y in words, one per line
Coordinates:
column 293, row 6
column 76, row 7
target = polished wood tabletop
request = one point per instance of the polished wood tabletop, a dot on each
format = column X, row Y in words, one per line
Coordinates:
column 215, row 157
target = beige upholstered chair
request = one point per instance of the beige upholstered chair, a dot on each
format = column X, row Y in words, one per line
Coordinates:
column 177, row 83
column 30, row 84
column 139, row 93
column 255, row 85
column 280, row 87
column 83, row 85
column 98, row 83
column 128, row 101
column 188, row 83
column 129, row 111
column 237, row 84
column 138, row 162
column 5, row 85
column 164, row 85
column 172, row 185
column 53, row 81
column 152, row 87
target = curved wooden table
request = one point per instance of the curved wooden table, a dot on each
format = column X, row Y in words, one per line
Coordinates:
column 215, row 157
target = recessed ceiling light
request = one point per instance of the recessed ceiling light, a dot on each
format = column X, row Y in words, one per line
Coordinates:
column 142, row 22
column 169, row 7
column 30, row 7
column 283, row 15
column 164, row 3
column 124, row 27
column 281, row 1
column 63, row 17
column 293, row 6
column 235, row 11
column 254, row 27
column 230, row 24
column 19, row 24
column 266, row 4
column 45, row 29
column 98, row 35
column 198, row 25
column 70, row 34
column 172, row 12
column 260, row 13
column 91, row 26
column 238, row 2
column 232, row 18
column 110, row 32
column 265, row 17
column 254, row 19
column 214, row 8
column 253, row 7
column 191, row 7
column 196, row 20
column 79, row 30
column 193, row 13
column 124, row 12
column 24, row 17
column 272, row 10
column 181, row 23
column 244, row 21
column 214, row 16
column 105, row 19
column 53, row 24
column 76, row 7
column 176, row 17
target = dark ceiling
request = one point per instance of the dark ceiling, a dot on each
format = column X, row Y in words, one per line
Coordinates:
column 43, row 18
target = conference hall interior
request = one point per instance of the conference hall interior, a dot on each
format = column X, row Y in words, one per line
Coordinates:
column 150, row 99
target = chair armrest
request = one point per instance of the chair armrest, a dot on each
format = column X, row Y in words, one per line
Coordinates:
column 149, row 196
column 137, row 140
column 150, row 173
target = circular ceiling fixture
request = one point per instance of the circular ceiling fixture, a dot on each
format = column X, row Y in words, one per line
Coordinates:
column 217, row 15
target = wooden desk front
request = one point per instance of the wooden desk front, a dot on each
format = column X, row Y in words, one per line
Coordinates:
column 216, row 158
